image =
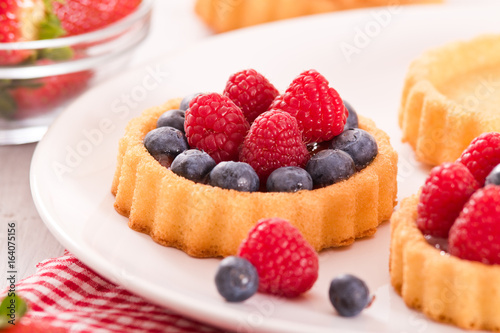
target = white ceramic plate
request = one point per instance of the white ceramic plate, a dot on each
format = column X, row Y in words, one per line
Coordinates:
column 364, row 54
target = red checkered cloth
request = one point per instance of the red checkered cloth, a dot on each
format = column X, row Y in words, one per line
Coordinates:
column 64, row 295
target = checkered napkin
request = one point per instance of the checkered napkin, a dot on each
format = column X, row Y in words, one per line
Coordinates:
column 64, row 295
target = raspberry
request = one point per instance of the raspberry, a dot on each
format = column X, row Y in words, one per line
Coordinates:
column 482, row 155
column 251, row 91
column 446, row 190
column 476, row 233
column 287, row 265
column 319, row 110
column 215, row 125
column 274, row 141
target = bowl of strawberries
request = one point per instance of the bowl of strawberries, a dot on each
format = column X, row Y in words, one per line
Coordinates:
column 51, row 51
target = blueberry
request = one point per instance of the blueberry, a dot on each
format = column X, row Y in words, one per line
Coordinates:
column 289, row 179
column 193, row 164
column 349, row 295
column 493, row 177
column 186, row 100
column 352, row 119
column 330, row 166
column 236, row 279
column 172, row 118
column 358, row 143
column 239, row 176
column 165, row 143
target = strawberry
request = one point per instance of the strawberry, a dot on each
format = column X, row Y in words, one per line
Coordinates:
column 250, row 91
column 319, row 110
column 446, row 190
column 476, row 232
column 286, row 264
column 81, row 16
column 482, row 155
column 214, row 124
column 274, row 141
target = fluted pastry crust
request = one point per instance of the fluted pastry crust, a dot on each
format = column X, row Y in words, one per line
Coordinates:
column 445, row 288
column 207, row 221
column 451, row 95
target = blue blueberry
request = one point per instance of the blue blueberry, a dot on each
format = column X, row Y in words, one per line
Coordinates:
column 165, row 143
column 349, row 295
column 493, row 177
column 172, row 118
column 236, row 279
column 352, row 119
column 239, row 176
column 193, row 164
column 186, row 100
column 330, row 166
column 289, row 179
column 359, row 144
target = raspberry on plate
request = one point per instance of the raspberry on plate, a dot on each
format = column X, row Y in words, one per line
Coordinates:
column 274, row 141
column 287, row 265
column 482, row 155
column 215, row 125
column 318, row 108
column 446, row 190
column 251, row 91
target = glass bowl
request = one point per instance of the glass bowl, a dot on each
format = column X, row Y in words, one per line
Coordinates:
column 32, row 95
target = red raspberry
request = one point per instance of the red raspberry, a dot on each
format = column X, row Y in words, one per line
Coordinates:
column 251, row 91
column 215, row 125
column 482, row 155
column 318, row 108
column 274, row 141
column 446, row 190
column 287, row 265
column 476, row 233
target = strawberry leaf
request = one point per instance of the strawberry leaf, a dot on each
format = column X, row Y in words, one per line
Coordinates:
column 50, row 27
column 57, row 54
column 12, row 309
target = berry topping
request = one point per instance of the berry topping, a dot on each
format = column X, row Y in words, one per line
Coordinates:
column 165, row 143
column 216, row 125
column 289, row 179
column 494, row 177
column 352, row 119
column 172, row 118
column 237, row 176
column 193, row 164
column 359, row 144
column 286, row 263
column 274, row 141
column 236, row 279
column 482, row 155
column 446, row 190
column 250, row 91
column 318, row 108
column 186, row 101
column 349, row 295
column 476, row 233
column 330, row 166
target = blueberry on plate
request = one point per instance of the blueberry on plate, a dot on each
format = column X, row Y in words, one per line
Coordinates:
column 359, row 144
column 349, row 295
column 165, row 143
column 352, row 119
column 186, row 100
column 172, row 118
column 236, row 279
column 239, row 176
column 193, row 164
column 289, row 179
column 330, row 166
column 493, row 177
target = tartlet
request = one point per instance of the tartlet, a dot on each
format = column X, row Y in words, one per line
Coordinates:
column 451, row 95
column 207, row 221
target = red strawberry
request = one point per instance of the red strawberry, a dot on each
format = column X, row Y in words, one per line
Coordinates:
column 319, row 110
column 476, row 233
column 215, row 125
column 81, row 16
column 446, row 190
column 287, row 265
column 274, row 141
column 482, row 155
column 251, row 91
column 28, row 325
